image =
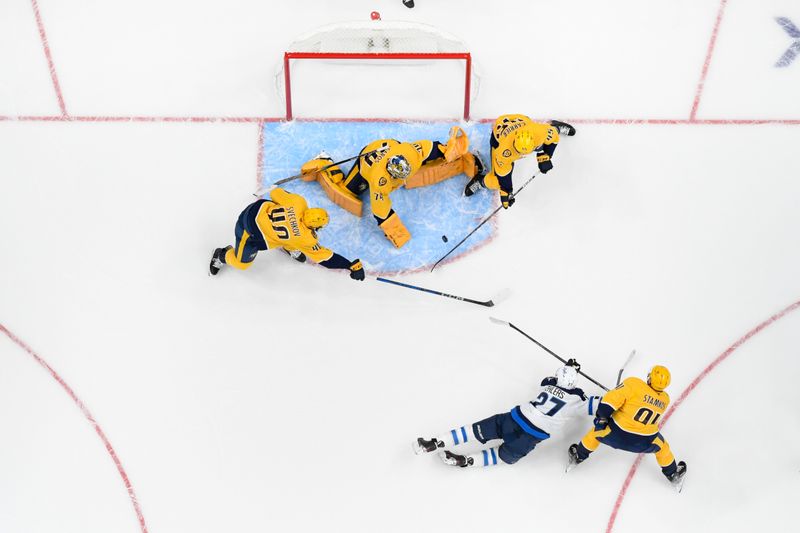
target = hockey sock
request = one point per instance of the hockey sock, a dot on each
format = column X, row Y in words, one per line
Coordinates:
column 489, row 457
column 456, row 436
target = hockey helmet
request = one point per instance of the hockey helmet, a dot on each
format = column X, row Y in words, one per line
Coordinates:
column 659, row 378
column 566, row 377
column 315, row 218
column 523, row 141
column 398, row 167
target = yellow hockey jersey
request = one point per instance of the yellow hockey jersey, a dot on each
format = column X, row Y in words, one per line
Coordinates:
column 505, row 131
column 373, row 169
column 281, row 224
column 637, row 406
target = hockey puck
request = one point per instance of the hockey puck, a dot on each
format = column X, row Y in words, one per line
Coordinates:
column 444, row 238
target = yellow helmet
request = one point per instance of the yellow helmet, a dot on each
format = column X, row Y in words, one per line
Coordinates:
column 659, row 377
column 523, row 142
column 315, row 218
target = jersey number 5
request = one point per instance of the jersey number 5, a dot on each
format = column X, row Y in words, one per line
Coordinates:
column 544, row 397
column 276, row 216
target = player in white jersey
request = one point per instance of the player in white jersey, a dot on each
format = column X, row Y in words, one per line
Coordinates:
column 520, row 429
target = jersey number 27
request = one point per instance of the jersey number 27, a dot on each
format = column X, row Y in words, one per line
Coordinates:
column 544, row 398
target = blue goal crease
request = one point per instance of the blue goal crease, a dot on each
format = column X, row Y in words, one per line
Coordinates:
column 429, row 213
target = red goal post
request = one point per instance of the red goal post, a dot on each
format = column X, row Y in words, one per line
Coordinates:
column 378, row 42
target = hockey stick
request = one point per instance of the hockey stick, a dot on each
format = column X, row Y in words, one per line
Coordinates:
column 543, row 347
column 487, row 303
column 628, row 360
column 262, row 190
column 485, row 220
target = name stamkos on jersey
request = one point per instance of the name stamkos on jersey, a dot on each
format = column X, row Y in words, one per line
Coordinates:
column 654, row 401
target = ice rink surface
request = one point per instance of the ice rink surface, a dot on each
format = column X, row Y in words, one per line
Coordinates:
column 138, row 394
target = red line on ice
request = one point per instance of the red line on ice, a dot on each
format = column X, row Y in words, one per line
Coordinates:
column 688, row 390
column 711, row 44
column 261, row 120
column 50, row 64
column 90, row 418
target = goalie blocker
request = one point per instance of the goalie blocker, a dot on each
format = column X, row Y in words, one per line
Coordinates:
column 429, row 162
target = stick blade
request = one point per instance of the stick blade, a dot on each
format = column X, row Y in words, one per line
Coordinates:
column 501, row 296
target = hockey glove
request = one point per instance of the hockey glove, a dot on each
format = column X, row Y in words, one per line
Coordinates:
column 574, row 364
column 506, row 199
column 600, row 423
column 545, row 165
column 357, row 270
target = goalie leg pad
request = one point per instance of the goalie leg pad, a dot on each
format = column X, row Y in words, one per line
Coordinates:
column 395, row 230
column 331, row 180
column 440, row 170
column 339, row 195
column 312, row 170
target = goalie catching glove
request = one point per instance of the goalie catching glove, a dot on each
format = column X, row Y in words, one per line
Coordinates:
column 395, row 230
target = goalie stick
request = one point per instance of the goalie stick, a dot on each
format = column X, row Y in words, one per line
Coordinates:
column 485, row 220
column 487, row 303
column 263, row 190
column 543, row 347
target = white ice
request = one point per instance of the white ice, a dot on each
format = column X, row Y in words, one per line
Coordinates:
column 286, row 398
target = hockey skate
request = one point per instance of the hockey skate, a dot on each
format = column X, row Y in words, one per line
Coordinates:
column 217, row 260
column 574, row 460
column 563, row 128
column 453, row 459
column 474, row 185
column 676, row 479
column 427, row 446
column 297, row 255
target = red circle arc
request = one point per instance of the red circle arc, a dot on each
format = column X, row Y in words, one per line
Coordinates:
column 688, row 390
column 106, row 443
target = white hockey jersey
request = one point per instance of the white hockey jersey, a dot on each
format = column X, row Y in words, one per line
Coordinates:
column 553, row 408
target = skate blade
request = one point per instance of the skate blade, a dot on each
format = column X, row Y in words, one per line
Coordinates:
column 570, row 465
column 679, row 485
column 418, row 450
column 445, row 460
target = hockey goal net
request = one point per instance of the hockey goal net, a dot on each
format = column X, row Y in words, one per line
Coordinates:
column 378, row 69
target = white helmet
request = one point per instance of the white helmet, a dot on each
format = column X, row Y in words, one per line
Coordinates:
column 566, row 376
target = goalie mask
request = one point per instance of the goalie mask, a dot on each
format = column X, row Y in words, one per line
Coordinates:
column 398, row 167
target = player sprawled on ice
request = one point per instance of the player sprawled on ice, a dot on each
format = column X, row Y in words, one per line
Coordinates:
column 514, row 137
column 521, row 429
column 286, row 222
column 627, row 419
column 387, row 166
